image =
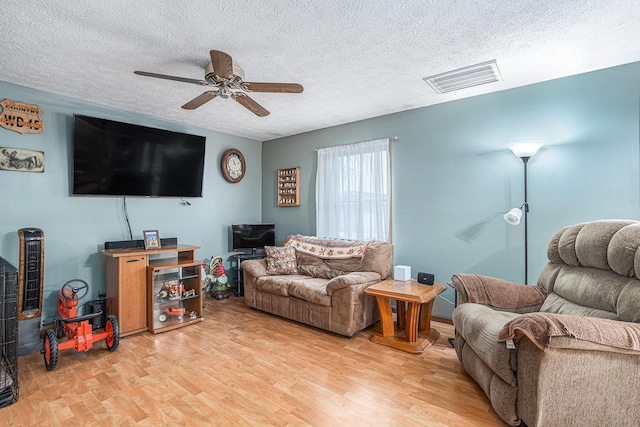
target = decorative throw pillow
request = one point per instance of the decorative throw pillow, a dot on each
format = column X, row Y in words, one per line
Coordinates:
column 281, row 260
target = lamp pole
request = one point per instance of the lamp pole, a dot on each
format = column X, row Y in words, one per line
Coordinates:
column 525, row 205
column 525, row 150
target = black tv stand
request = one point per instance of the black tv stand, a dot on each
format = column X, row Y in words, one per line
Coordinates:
column 239, row 277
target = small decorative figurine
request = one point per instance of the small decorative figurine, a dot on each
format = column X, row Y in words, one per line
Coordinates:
column 170, row 291
column 217, row 281
column 171, row 311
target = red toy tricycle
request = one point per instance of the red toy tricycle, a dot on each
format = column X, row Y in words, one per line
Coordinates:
column 77, row 328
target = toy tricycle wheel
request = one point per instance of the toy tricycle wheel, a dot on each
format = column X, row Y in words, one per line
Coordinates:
column 50, row 350
column 113, row 329
column 163, row 317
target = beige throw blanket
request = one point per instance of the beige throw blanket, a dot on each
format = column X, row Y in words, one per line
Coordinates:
column 327, row 248
column 540, row 327
column 499, row 293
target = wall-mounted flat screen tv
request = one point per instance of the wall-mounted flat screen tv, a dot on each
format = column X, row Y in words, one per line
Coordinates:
column 252, row 237
column 120, row 159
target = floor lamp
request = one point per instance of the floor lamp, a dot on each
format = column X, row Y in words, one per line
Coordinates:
column 525, row 150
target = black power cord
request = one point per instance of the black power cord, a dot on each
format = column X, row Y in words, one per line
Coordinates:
column 126, row 216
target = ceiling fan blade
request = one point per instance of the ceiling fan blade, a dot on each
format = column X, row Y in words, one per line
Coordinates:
column 178, row 79
column 222, row 64
column 274, row 87
column 251, row 105
column 199, row 100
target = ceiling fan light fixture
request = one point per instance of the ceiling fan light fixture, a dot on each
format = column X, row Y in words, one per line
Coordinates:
column 462, row 78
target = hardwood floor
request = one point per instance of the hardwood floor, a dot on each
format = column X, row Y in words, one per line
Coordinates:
column 242, row 367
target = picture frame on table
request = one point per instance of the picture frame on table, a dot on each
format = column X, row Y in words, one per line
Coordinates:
column 151, row 239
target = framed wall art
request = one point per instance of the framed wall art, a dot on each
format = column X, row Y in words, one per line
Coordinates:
column 19, row 160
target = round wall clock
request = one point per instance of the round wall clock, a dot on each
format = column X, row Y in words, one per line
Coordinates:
column 233, row 165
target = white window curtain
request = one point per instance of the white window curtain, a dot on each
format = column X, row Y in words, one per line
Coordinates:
column 353, row 191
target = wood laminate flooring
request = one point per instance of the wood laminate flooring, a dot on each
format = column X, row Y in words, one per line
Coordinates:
column 243, row 367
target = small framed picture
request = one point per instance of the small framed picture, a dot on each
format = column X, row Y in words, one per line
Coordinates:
column 151, row 239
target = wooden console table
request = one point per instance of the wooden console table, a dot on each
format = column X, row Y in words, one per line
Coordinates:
column 414, row 333
column 127, row 286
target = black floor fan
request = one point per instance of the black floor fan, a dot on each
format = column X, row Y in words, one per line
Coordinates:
column 31, row 287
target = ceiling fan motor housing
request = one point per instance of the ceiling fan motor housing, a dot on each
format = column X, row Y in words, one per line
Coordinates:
column 210, row 74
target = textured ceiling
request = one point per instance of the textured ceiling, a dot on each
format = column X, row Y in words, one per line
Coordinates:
column 355, row 58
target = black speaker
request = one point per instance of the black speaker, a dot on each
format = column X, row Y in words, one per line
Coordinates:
column 168, row 241
column 124, row 244
column 426, row 278
column 128, row 244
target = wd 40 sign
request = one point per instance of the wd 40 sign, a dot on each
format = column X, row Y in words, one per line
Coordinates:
column 20, row 117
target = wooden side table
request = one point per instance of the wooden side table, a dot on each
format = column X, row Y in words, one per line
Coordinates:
column 414, row 333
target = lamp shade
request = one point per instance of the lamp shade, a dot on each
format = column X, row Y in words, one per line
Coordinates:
column 513, row 216
column 525, row 148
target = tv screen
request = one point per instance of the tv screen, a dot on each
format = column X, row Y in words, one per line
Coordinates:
column 119, row 159
column 247, row 237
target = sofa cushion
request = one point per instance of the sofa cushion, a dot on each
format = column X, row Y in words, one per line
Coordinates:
column 595, row 239
column 311, row 290
column 556, row 304
column 480, row 326
column 281, row 260
column 378, row 258
column 278, row 285
column 622, row 253
column 586, row 292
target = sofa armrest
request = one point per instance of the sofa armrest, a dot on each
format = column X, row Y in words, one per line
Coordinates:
column 542, row 329
column 351, row 279
column 498, row 293
column 255, row 267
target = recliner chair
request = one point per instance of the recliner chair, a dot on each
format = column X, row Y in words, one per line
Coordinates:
column 567, row 351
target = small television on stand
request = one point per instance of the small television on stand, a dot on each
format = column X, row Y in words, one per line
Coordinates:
column 250, row 239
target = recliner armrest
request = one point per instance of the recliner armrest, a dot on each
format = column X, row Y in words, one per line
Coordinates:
column 570, row 343
column 498, row 293
column 541, row 328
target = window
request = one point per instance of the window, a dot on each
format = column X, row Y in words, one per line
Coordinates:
column 353, row 191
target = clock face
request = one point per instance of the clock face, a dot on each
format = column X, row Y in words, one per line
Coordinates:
column 233, row 165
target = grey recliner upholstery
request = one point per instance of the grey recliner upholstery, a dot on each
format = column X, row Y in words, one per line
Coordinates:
column 567, row 351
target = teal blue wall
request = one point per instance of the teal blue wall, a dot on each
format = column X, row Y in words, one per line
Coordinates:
column 75, row 228
column 454, row 178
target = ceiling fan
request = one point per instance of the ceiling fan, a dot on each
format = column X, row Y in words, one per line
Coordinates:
column 227, row 81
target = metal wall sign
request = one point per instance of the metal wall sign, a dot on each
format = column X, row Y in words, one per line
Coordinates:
column 21, row 117
column 19, row 160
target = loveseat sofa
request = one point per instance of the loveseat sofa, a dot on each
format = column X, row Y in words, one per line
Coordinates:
column 567, row 351
column 319, row 282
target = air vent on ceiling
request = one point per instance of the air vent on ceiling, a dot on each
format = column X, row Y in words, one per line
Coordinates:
column 462, row 78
